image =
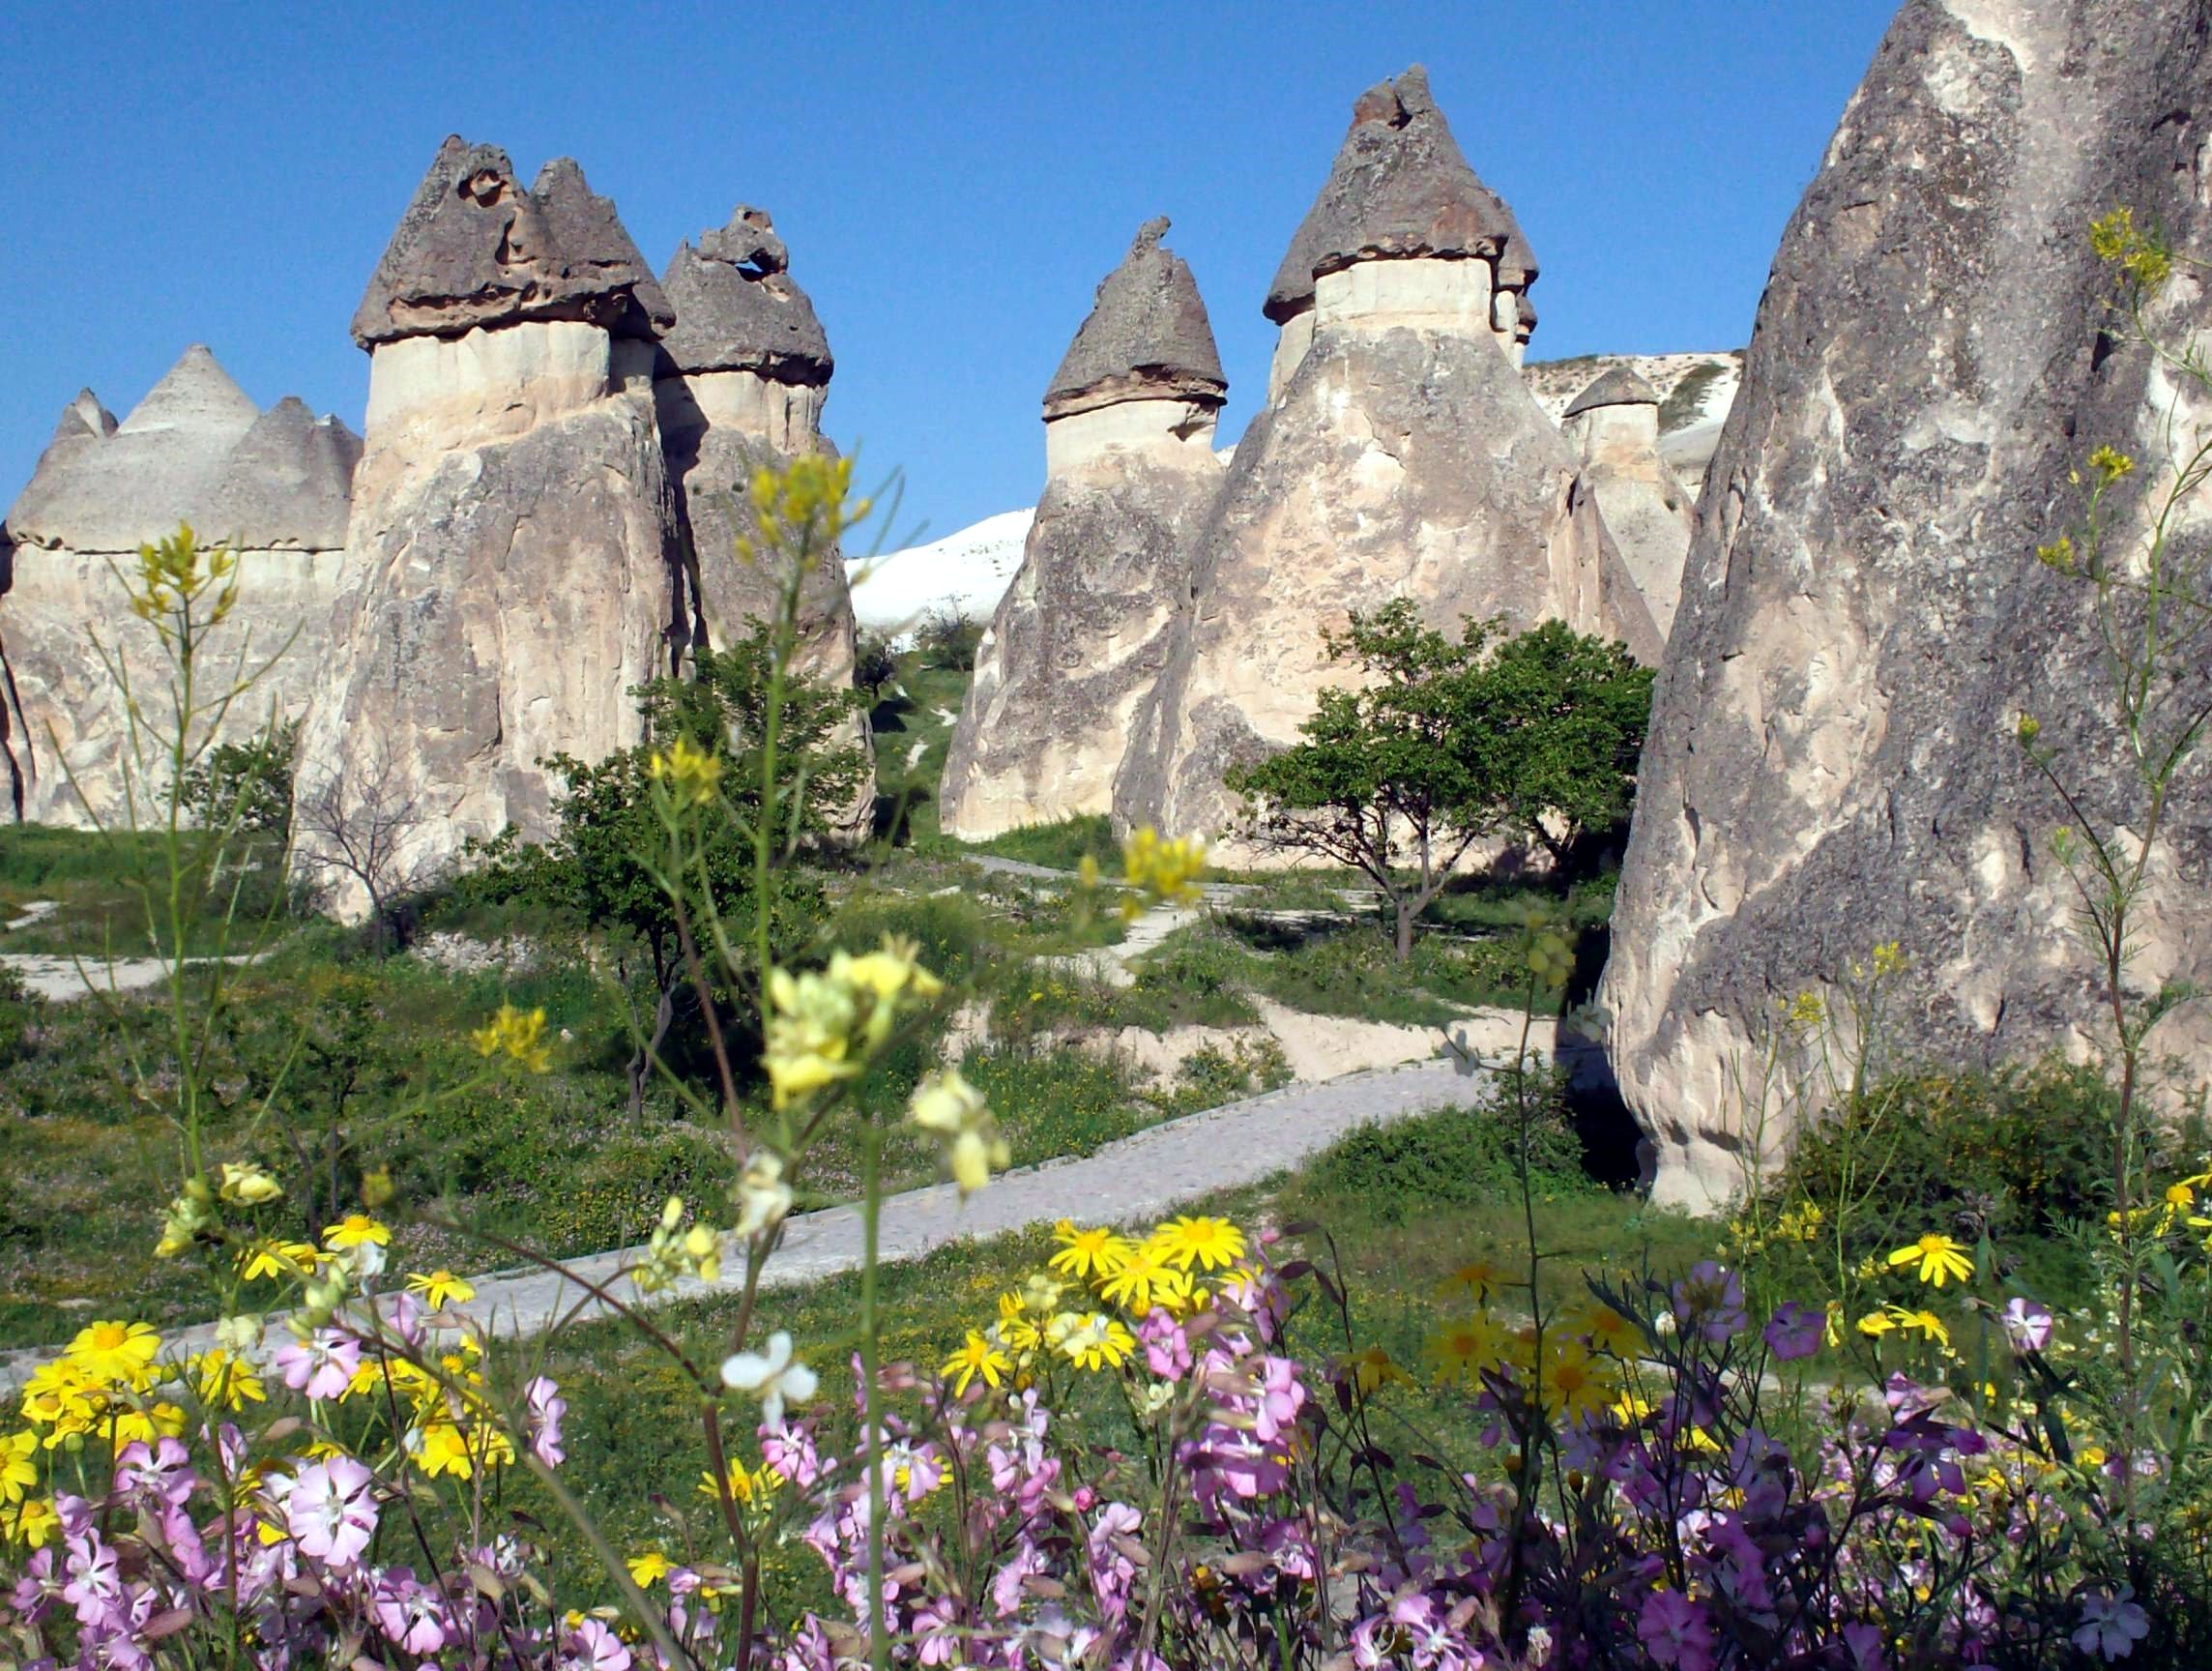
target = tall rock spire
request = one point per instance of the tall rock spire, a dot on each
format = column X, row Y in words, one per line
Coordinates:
column 1082, row 631
column 1834, row 761
column 1146, row 338
column 1400, row 456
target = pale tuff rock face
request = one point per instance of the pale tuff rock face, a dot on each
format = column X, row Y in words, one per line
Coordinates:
column 1081, row 634
column 512, row 564
column 1401, row 455
column 274, row 485
column 1695, row 394
column 1832, row 762
column 1613, row 427
column 741, row 383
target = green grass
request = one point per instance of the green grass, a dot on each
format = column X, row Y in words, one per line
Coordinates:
column 1061, row 846
column 97, row 883
column 913, row 711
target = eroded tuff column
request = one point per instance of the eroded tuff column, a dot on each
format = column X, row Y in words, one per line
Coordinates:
column 1401, row 456
column 196, row 450
column 741, row 381
column 510, row 565
column 1613, row 427
column 1081, row 634
column 1832, row 762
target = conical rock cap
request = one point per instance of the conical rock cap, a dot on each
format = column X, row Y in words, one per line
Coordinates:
column 1148, row 337
column 738, row 308
column 1399, row 186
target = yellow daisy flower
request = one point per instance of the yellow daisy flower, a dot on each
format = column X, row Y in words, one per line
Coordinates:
column 1085, row 1254
column 1939, row 1259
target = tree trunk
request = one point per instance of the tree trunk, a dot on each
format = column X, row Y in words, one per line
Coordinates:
column 641, row 1061
column 1407, row 912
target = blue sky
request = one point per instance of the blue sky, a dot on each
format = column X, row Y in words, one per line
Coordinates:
column 952, row 180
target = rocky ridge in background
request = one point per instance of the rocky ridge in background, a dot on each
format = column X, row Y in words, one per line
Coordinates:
column 1081, row 634
column 1833, row 762
column 196, row 449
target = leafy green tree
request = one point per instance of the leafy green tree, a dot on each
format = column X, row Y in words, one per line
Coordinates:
column 874, row 665
column 608, row 863
column 246, row 787
column 1449, row 743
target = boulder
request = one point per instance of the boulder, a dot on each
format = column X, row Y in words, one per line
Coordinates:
column 1613, row 429
column 1833, row 762
column 1082, row 632
column 1403, row 457
column 511, row 566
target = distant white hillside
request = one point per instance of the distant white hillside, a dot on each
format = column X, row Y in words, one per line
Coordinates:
column 970, row 569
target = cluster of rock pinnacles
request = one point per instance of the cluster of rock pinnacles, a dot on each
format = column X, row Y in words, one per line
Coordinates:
column 1848, row 622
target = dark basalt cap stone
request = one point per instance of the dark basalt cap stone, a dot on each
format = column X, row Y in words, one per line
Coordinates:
column 1148, row 337
column 738, row 310
column 475, row 248
column 1622, row 386
column 1399, row 188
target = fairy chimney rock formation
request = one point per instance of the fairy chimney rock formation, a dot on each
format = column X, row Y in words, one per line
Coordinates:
column 275, row 486
column 1614, row 427
column 1143, row 371
column 1402, row 231
column 509, row 568
column 1081, row 634
column 741, row 381
column 1833, row 762
column 1400, row 456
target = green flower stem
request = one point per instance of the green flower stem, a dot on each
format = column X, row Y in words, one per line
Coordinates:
column 871, row 1215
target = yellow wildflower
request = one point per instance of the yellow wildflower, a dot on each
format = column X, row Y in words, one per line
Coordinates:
column 245, row 1186
column 1092, row 1341
column 439, row 1286
column 1143, row 1280
column 1808, row 1009
column 648, row 1569
column 117, row 1353
column 1373, row 1369
column 1573, row 1383
column 354, row 1229
column 1463, row 1350
column 1480, row 1279
column 690, row 774
column 516, row 1035
column 276, row 1259
column 1163, row 872
column 159, row 1420
column 1939, row 1259
column 33, row 1522
column 744, row 1487
column 955, row 1112
column 18, row 1467
column 1014, row 1330
column 1605, row 1328
column 2111, row 463
column 221, row 1381
column 1211, row 1244
column 2142, row 257
column 1086, row 1254
column 976, row 1357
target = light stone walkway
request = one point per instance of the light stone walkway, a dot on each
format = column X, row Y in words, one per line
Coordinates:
column 1140, row 1177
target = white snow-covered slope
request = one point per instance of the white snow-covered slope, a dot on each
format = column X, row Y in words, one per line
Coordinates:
column 969, row 571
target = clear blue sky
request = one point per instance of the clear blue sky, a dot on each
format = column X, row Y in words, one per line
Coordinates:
column 952, row 180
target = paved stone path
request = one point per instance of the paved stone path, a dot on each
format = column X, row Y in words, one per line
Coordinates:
column 1140, row 1177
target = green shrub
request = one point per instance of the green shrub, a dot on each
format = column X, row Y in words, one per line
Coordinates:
column 2022, row 1152
column 953, row 932
column 1392, row 1174
column 1051, row 1102
column 1061, row 846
